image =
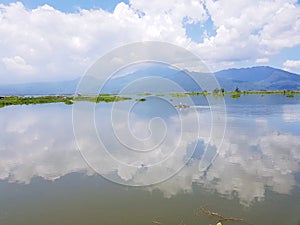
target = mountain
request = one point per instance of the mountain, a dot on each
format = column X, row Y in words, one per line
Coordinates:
column 254, row 78
column 258, row 78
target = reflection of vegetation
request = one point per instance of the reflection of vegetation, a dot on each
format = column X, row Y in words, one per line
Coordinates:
column 235, row 95
column 289, row 95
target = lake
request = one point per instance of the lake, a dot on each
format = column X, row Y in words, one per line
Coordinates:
column 149, row 162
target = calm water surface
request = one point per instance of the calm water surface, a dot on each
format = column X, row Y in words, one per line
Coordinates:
column 254, row 172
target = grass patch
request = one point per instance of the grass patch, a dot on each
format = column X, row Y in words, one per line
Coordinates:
column 179, row 95
column 235, row 94
column 196, row 93
column 17, row 100
column 69, row 100
column 111, row 98
column 101, row 98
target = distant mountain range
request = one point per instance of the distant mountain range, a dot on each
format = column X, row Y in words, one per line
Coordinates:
column 254, row 78
column 40, row 88
column 258, row 78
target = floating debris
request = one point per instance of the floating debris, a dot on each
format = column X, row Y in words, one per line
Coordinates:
column 215, row 214
column 182, row 106
column 157, row 222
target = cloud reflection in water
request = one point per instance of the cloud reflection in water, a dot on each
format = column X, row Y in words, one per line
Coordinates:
column 38, row 141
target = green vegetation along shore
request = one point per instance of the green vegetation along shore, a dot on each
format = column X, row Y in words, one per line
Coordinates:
column 219, row 92
column 101, row 98
column 19, row 100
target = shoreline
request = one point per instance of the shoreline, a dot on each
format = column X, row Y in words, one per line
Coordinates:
column 69, row 99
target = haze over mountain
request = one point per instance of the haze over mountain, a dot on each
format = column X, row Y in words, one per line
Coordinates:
column 254, row 78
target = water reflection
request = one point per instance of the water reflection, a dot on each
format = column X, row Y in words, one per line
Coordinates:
column 291, row 113
column 38, row 141
column 256, row 155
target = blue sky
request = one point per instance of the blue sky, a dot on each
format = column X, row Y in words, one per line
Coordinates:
column 71, row 6
column 45, row 40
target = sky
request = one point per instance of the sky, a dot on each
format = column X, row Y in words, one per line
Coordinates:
column 51, row 40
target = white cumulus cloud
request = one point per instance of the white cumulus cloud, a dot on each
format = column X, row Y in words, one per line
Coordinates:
column 47, row 44
column 262, row 60
column 291, row 64
column 18, row 65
